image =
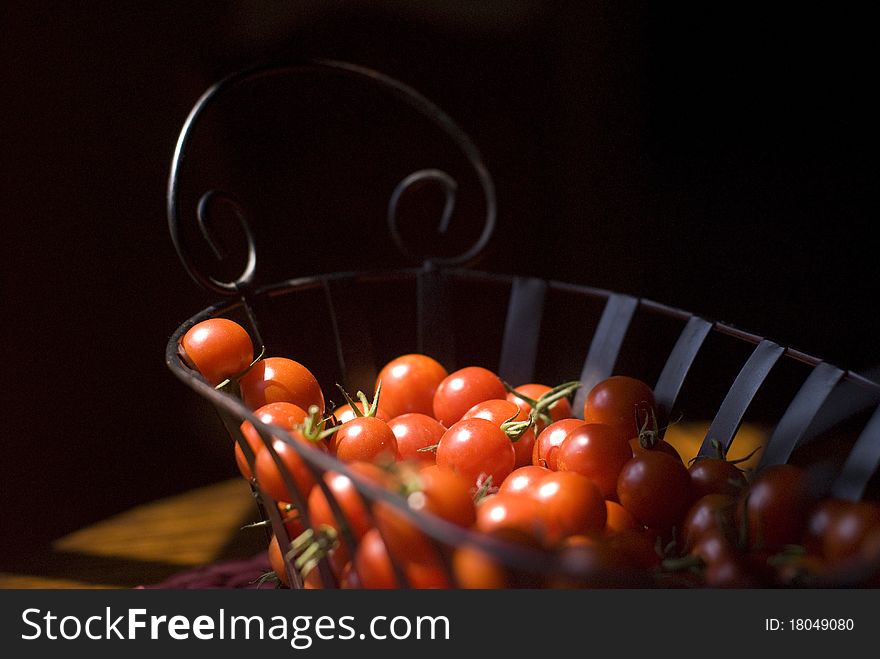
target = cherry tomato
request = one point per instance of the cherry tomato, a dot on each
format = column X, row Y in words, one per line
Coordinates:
column 276, row 561
column 617, row 519
column 441, row 493
column 365, row 439
column 269, row 477
column 711, row 511
column 559, row 410
column 716, row 476
column 515, row 517
column 218, row 348
column 477, row 448
column 348, row 498
column 523, row 480
column 281, row 380
column 461, row 390
column 636, row 545
column 596, row 565
column 283, row 415
column 569, row 504
column 476, row 569
column 655, row 489
column 415, row 431
column 597, row 451
column 373, row 564
column 620, row 401
column 776, row 503
column 409, row 383
column 546, row 448
column 846, row 525
column 500, row 410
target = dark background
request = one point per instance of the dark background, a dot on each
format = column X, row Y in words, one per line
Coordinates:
column 718, row 159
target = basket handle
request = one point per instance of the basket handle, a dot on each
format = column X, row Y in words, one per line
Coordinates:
column 400, row 91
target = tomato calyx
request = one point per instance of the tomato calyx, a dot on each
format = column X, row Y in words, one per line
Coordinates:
column 369, row 408
column 314, row 428
column 545, row 401
column 649, row 431
column 721, row 454
column 310, row 547
column 484, row 488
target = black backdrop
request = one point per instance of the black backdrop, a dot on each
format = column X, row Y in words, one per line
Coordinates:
column 716, row 159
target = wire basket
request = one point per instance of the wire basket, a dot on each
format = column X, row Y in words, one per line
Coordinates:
column 528, row 329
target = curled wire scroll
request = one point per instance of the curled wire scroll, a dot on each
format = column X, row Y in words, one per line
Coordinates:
column 397, row 89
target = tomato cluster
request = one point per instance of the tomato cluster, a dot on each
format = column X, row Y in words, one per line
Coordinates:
column 601, row 501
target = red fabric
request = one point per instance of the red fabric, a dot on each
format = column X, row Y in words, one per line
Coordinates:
column 243, row 573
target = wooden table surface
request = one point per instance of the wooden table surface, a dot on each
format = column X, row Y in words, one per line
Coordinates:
column 151, row 542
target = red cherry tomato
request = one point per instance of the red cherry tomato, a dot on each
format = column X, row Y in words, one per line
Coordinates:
column 365, row 439
column 409, row 383
column 523, row 480
column 346, row 494
column 546, row 448
column 716, row 476
column 842, row 526
column 515, row 517
column 476, row 569
column 276, row 561
column 559, row 410
column 269, row 477
column 461, row 390
column 415, row 431
column 655, row 489
column 711, row 511
column 620, row 401
column 441, row 493
column 663, row 447
column 218, row 348
column 617, row 519
column 569, row 504
column 284, row 415
column 281, row 380
column 476, row 448
column 373, row 564
column 500, row 410
column 597, row 451
column 776, row 503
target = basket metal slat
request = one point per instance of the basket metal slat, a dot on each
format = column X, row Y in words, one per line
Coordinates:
column 522, row 329
column 800, row 414
column 861, row 463
column 750, row 378
column 605, row 346
column 680, row 361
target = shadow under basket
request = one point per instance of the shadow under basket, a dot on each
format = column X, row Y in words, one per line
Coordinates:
column 345, row 326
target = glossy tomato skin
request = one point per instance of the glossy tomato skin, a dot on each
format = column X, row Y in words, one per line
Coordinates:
column 500, row 410
column 841, row 535
column 477, row 569
column 620, row 401
column 269, row 477
column 546, row 448
column 344, row 413
column 461, row 390
column 569, row 504
column 415, row 431
column 655, row 488
column 716, row 476
column 514, row 517
column 283, row 415
column 365, row 439
column 373, row 563
column 409, row 383
column 276, row 561
column 523, row 480
column 218, row 348
column 281, row 380
column 475, row 448
column 346, row 494
column 776, row 503
column 597, row 451
column 617, row 519
column 711, row 511
column 559, row 410
column 664, row 447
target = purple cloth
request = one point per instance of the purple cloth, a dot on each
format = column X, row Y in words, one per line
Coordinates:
column 244, row 573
